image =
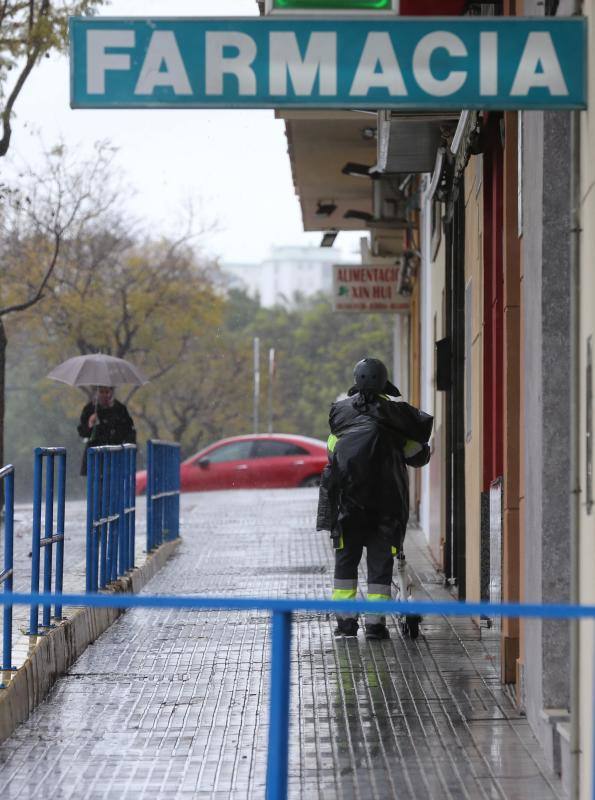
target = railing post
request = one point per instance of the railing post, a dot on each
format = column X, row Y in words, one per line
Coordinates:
column 593, row 718
column 278, row 754
column 163, row 490
column 104, row 474
column 97, row 500
column 121, row 506
column 89, row 586
column 35, row 546
column 158, row 516
column 132, row 516
column 49, row 532
column 124, row 513
column 150, row 492
column 177, row 485
column 8, row 567
column 167, row 488
column 59, row 580
column 112, row 545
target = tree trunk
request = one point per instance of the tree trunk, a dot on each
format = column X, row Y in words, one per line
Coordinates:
column 3, row 344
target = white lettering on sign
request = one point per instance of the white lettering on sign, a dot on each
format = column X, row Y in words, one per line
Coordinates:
column 286, row 67
column 319, row 60
column 99, row 61
column 378, row 53
column 539, row 67
column 163, row 51
column 239, row 64
column 367, row 274
column 488, row 63
column 422, row 58
column 367, row 288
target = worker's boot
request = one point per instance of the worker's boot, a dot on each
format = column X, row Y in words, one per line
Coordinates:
column 346, row 627
column 377, row 630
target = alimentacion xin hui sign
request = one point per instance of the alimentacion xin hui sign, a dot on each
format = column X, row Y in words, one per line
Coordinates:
column 408, row 63
column 365, row 287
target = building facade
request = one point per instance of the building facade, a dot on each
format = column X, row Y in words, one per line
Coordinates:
column 286, row 275
column 477, row 207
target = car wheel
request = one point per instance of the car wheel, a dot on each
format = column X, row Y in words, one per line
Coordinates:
column 313, row 480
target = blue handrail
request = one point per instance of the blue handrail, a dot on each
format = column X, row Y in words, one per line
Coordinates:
column 6, row 576
column 111, row 514
column 282, row 610
column 51, row 456
column 163, row 492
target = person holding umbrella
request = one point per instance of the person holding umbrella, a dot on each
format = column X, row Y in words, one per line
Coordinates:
column 104, row 420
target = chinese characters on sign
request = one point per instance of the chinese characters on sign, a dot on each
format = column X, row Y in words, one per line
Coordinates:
column 367, row 288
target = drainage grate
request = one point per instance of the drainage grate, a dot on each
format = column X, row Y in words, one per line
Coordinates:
column 315, row 569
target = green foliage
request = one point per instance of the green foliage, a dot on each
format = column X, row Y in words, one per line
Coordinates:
column 316, row 350
column 37, row 26
column 207, row 392
column 29, row 30
column 39, row 413
column 158, row 303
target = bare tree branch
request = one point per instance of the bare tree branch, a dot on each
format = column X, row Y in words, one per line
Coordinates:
column 38, row 295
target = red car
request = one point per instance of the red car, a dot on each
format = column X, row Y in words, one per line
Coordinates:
column 260, row 461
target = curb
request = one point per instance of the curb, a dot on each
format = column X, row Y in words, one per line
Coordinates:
column 58, row 649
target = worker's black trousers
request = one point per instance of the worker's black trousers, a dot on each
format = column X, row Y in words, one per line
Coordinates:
column 378, row 541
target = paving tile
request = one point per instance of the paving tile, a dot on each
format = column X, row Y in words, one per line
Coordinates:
column 173, row 704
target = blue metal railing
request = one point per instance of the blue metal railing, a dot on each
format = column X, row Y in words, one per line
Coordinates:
column 51, row 456
column 163, row 492
column 282, row 613
column 111, row 514
column 7, row 481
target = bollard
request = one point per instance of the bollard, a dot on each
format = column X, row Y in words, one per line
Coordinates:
column 278, row 752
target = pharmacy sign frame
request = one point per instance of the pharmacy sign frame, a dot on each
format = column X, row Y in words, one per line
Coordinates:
column 405, row 63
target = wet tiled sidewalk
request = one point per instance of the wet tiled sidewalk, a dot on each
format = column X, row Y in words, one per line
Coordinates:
column 173, row 704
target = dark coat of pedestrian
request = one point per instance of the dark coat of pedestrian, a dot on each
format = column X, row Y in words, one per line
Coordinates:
column 105, row 421
column 364, row 491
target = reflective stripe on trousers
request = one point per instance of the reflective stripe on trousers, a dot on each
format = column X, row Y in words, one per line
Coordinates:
column 345, row 590
column 377, row 591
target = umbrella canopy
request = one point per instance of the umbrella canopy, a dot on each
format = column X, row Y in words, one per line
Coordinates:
column 97, row 369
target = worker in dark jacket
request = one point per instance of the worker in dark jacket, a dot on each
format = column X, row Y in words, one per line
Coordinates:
column 105, row 421
column 364, row 491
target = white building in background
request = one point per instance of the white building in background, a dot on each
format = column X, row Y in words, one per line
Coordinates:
column 287, row 272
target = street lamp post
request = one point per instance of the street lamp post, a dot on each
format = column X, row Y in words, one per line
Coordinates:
column 256, row 383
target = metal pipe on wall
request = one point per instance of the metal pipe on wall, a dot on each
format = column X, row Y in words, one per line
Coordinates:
column 575, row 343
